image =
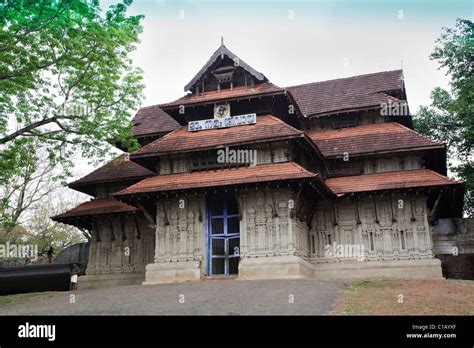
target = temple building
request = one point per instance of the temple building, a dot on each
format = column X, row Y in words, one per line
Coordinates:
column 243, row 178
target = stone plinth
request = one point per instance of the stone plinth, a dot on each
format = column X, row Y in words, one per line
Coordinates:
column 276, row 267
column 410, row 269
column 172, row 272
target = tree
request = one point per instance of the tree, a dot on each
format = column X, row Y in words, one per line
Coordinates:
column 67, row 83
column 450, row 117
column 32, row 197
column 44, row 232
column 37, row 181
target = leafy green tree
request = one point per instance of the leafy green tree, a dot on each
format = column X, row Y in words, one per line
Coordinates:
column 38, row 181
column 450, row 117
column 67, row 82
column 44, row 232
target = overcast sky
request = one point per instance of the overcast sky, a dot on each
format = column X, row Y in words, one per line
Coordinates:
column 294, row 42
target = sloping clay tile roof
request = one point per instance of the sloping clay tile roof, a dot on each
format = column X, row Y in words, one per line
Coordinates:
column 388, row 180
column 367, row 139
column 267, row 128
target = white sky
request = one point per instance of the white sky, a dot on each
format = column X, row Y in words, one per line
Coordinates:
column 293, row 42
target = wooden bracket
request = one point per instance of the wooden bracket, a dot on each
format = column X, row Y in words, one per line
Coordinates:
column 375, row 210
column 391, row 210
column 147, row 214
column 167, row 221
column 97, row 231
column 357, row 212
column 112, row 234
column 436, row 204
column 412, row 206
column 295, row 210
column 124, row 235
column 311, row 212
column 273, row 206
column 138, row 228
column 334, row 214
column 199, row 211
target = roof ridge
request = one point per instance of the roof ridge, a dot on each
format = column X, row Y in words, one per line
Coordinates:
column 290, row 127
column 150, row 106
column 302, row 169
column 345, row 78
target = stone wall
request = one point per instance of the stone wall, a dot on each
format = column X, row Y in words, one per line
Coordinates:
column 394, row 235
column 457, row 267
column 453, row 241
column 266, row 235
column 388, row 228
column 111, row 253
column 180, row 229
column 274, row 242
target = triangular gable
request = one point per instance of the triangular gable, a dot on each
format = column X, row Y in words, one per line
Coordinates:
column 220, row 53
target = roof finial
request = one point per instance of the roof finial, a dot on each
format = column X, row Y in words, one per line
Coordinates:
column 222, row 41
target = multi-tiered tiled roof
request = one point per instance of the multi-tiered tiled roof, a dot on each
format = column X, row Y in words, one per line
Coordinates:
column 318, row 99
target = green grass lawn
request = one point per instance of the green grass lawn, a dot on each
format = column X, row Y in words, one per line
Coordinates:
column 20, row 298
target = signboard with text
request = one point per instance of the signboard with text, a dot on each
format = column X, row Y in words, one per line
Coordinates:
column 226, row 122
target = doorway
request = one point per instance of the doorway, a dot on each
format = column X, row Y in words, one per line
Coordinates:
column 223, row 231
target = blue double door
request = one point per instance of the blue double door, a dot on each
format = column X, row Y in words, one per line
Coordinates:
column 223, row 230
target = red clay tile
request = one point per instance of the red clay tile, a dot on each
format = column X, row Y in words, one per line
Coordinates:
column 221, row 177
column 97, row 207
column 351, row 93
column 236, row 92
column 368, row 139
column 388, row 180
column 121, row 168
column 152, row 120
column 181, row 140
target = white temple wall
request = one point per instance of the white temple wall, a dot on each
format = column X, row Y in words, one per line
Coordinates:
column 180, row 235
column 121, row 255
column 401, row 232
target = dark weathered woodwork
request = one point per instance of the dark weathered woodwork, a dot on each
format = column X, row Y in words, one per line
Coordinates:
column 375, row 210
column 167, row 221
column 147, row 214
column 334, row 215
column 137, row 226
column 112, row 234
column 391, row 210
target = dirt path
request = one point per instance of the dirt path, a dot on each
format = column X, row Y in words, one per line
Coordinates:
column 407, row 297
